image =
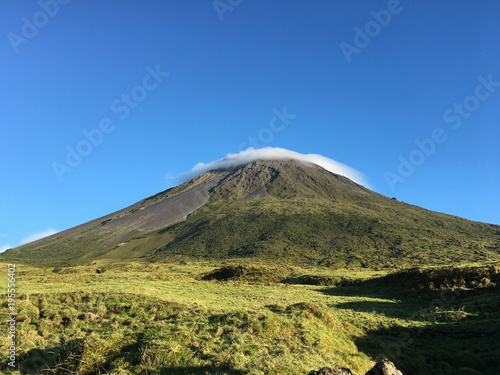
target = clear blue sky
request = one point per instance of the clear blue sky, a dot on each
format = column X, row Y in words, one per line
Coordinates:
column 364, row 79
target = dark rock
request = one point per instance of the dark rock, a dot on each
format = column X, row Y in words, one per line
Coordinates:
column 331, row 371
column 383, row 367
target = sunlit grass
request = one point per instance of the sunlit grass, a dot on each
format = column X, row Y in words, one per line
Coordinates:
column 165, row 318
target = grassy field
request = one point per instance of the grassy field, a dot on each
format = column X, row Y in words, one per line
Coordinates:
column 170, row 318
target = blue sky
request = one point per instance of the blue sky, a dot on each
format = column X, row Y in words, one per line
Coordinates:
column 102, row 102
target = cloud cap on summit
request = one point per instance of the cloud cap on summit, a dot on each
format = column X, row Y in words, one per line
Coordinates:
column 275, row 153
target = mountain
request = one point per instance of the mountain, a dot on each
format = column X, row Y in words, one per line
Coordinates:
column 274, row 210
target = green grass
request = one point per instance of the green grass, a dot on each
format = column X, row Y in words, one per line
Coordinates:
column 163, row 318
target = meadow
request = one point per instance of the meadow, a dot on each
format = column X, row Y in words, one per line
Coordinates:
column 237, row 317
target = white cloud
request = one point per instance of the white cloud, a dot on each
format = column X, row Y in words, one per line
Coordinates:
column 274, row 153
column 5, row 247
column 37, row 236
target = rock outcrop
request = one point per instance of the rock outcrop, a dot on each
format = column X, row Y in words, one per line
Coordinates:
column 332, row 371
column 383, row 367
column 89, row 317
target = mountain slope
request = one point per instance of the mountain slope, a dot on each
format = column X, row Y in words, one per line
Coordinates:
column 274, row 210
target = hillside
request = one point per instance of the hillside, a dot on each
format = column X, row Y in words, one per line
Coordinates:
column 272, row 210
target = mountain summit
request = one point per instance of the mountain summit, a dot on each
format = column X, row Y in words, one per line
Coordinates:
column 283, row 210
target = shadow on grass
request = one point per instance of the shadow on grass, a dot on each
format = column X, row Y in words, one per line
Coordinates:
column 47, row 359
column 404, row 303
column 460, row 336
column 373, row 288
column 417, row 304
column 466, row 347
column 414, row 290
column 66, row 358
column 400, row 310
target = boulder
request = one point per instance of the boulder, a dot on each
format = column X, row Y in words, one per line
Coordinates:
column 89, row 317
column 384, row 367
column 331, row 371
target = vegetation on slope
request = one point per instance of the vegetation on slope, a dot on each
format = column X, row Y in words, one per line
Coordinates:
column 326, row 233
column 286, row 211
